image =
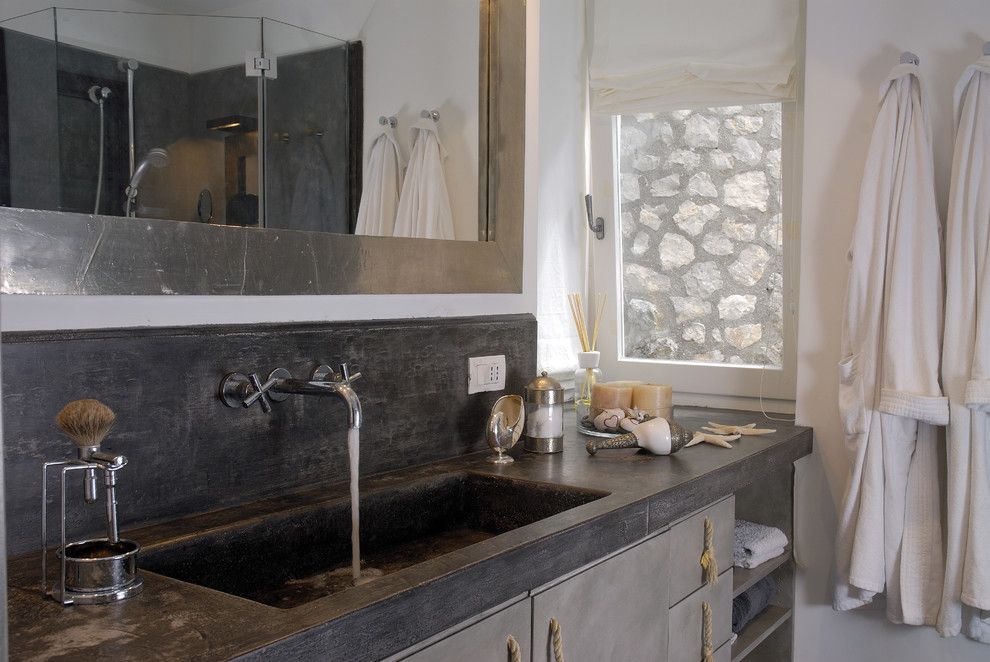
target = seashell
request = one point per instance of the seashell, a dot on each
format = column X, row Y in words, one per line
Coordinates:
column 628, row 424
column 637, row 415
column 507, row 416
column 608, row 420
column 657, row 435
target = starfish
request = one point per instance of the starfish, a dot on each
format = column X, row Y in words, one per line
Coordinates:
column 714, row 439
column 745, row 430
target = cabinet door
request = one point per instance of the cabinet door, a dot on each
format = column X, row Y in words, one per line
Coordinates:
column 484, row 641
column 615, row 610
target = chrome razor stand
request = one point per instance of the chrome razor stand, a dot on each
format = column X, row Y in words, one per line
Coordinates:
column 93, row 463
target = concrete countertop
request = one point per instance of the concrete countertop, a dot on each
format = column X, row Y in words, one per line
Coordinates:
column 173, row 620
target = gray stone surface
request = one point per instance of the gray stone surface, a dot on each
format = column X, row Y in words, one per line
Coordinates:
column 189, row 453
column 703, row 234
column 174, row 620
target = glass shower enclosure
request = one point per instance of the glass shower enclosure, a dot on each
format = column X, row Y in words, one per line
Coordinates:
column 212, row 119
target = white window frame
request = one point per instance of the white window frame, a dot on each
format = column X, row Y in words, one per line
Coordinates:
column 693, row 382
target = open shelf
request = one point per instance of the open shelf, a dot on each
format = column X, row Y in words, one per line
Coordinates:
column 759, row 629
column 743, row 578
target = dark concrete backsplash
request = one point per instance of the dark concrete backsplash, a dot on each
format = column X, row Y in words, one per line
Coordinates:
column 189, row 453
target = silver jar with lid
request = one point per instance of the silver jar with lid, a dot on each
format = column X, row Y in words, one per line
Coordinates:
column 544, row 398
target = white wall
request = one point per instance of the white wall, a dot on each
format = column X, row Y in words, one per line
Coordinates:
column 424, row 55
column 851, row 47
column 67, row 312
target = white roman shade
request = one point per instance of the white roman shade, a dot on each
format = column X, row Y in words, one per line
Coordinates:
column 655, row 55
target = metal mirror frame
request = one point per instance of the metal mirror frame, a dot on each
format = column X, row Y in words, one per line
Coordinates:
column 45, row 252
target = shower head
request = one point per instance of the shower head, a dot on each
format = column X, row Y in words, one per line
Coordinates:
column 156, row 157
column 125, row 65
column 98, row 94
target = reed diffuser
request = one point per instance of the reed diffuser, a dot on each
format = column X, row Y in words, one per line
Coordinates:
column 588, row 374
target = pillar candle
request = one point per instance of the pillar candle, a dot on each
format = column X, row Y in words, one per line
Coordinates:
column 610, row 396
column 654, row 399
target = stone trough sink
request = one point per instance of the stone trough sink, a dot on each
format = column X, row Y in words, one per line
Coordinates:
column 289, row 558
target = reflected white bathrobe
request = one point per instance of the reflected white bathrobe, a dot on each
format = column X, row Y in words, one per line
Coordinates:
column 424, row 205
column 889, row 396
column 966, row 364
column 380, row 187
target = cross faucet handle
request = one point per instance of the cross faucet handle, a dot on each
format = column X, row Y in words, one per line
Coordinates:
column 347, row 375
column 260, row 392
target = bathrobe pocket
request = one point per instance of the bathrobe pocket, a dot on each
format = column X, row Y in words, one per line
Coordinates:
column 852, row 407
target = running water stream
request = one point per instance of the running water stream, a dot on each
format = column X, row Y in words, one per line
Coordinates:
column 353, row 454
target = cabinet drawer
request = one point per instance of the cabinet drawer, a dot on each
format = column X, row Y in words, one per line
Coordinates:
column 483, row 641
column 685, row 642
column 687, row 544
column 615, row 610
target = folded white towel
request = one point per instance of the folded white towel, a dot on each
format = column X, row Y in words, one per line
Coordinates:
column 743, row 560
column 757, row 539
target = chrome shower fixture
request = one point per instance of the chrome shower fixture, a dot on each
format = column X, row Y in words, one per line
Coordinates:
column 98, row 94
column 156, row 157
column 129, row 67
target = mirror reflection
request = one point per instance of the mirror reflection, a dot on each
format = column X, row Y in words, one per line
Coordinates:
column 247, row 122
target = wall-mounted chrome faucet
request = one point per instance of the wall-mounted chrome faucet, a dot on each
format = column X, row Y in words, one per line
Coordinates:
column 240, row 390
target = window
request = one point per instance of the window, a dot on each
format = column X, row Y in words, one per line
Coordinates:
column 699, row 264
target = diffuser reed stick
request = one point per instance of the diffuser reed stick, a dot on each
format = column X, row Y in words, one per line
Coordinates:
column 588, row 342
column 574, row 300
column 600, row 310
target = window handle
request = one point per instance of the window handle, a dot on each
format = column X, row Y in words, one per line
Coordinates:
column 596, row 225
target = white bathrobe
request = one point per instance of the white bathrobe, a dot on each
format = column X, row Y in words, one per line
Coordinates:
column 424, row 205
column 966, row 364
column 381, row 186
column 889, row 535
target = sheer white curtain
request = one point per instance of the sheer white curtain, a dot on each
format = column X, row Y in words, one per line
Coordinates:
column 562, row 233
column 653, row 55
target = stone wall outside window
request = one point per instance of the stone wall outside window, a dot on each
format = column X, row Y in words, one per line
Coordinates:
column 702, row 244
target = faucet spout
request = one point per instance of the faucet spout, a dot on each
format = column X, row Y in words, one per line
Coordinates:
column 340, row 389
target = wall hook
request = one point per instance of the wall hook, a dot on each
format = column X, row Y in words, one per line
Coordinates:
column 907, row 57
column 596, row 225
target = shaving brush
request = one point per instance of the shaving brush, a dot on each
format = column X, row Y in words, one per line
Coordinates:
column 86, row 423
column 656, row 435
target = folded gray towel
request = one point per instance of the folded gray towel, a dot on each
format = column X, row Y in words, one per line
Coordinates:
column 741, row 560
column 752, row 603
column 754, row 539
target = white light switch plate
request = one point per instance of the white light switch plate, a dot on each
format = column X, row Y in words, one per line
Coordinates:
column 486, row 373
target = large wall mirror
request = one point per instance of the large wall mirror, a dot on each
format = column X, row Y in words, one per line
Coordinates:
column 161, row 152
